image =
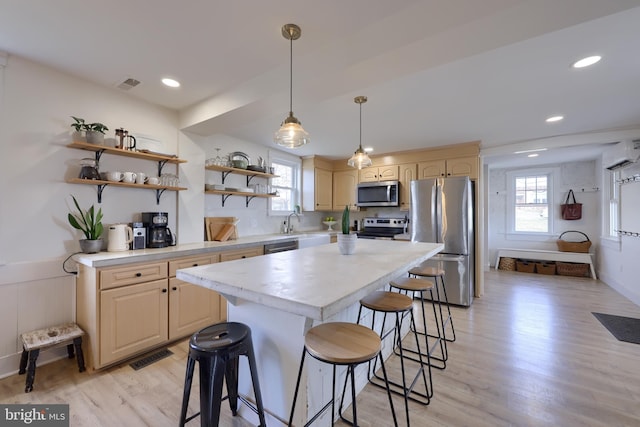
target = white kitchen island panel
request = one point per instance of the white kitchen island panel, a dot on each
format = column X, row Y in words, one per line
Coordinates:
column 280, row 296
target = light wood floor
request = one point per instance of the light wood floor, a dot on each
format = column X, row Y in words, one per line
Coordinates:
column 529, row 353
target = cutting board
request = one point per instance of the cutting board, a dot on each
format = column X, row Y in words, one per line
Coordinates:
column 214, row 224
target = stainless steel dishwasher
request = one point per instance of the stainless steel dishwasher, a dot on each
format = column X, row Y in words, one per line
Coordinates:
column 272, row 248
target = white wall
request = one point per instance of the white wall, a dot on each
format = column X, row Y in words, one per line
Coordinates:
column 618, row 264
column 570, row 175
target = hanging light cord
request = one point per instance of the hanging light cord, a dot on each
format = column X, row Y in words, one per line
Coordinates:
column 361, row 126
column 290, row 73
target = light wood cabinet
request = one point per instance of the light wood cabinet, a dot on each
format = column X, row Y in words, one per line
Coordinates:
column 323, row 190
column 344, row 189
column 192, row 307
column 132, row 319
column 317, row 184
column 127, row 310
column 380, row 173
column 241, row 253
column 463, row 166
column 408, row 173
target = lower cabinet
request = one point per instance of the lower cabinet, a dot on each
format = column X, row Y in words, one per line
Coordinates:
column 131, row 309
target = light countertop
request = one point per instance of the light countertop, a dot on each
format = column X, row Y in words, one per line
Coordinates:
column 108, row 259
column 315, row 282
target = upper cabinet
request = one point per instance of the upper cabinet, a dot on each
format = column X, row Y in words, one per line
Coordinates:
column 344, row 189
column 317, row 184
column 323, row 190
column 408, row 173
column 463, row 166
column 379, row 173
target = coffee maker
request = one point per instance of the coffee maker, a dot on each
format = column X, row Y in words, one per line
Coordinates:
column 158, row 234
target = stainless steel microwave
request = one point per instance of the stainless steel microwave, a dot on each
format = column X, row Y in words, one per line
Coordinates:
column 383, row 193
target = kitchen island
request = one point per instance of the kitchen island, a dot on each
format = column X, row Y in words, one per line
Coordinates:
column 280, row 296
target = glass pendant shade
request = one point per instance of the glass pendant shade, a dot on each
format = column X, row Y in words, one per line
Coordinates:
column 291, row 134
column 360, row 159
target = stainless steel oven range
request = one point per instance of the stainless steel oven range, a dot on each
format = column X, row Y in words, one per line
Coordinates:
column 382, row 228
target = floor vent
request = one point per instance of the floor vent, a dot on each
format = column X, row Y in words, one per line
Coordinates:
column 152, row 358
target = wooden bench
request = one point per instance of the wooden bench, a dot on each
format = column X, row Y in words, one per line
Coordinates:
column 542, row 255
column 34, row 341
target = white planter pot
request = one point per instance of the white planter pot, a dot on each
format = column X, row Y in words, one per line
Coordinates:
column 347, row 243
column 94, row 137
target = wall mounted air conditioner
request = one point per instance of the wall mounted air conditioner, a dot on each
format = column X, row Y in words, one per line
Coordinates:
column 622, row 154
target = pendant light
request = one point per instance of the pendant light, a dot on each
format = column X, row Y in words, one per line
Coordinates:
column 291, row 134
column 360, row 159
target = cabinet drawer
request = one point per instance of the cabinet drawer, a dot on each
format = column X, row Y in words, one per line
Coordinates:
column 193, row 261
column 242, row 253
column 138, row 273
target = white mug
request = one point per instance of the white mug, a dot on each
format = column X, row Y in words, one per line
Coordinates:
column 153, row 180
column 114, row 176
column 141, row 178
column 129, row 177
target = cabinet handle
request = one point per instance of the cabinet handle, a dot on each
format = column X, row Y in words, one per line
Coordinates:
column 195, row 265
column 164, row 290
column 244, row 256
column 174, row 288
column 138, row 274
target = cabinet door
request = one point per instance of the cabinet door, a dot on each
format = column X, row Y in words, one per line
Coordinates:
column 323, row 189
column 191, row 308
column 369, row 174
column 432, row 169
column 464, row 166
column 388, row 173
column 407, row 174
column 132, row 319
column 241, row 253
column 344, row 189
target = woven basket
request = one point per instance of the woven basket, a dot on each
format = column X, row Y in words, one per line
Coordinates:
column 546, row 268
column 573, row 269
column 525, row 266
column 507, row 264
column 567, row 246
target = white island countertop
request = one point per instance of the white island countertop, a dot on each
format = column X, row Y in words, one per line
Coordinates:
column 315, row 282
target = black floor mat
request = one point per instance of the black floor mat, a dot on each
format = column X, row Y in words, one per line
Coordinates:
column 151, row 358
column 623, row 328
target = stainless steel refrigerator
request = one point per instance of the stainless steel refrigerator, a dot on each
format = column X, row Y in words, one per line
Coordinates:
column 442, row 212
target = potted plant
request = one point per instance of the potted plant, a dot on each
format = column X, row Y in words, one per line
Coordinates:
column 94, row 132
column 90, row 223
column 346, row 239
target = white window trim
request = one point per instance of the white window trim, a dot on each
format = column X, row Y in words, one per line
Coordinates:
column 296, row 163
column 612, row 186
column 512, row 234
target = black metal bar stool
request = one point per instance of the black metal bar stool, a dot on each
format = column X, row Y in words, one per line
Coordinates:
column 346, row 344
column 435, row 274
column 217, row 348
column 413, row 288
column 398, row 304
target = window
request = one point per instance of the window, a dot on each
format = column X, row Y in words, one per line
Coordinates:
column 530, row 202
column 286, row 185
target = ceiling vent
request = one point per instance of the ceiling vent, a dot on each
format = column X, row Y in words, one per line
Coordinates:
column 621, row 155
column 128, row 84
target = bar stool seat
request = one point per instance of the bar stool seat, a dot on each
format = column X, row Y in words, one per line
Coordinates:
column 418, row 288
column 217, row 349
column 435, row 274
column 395, row 303
column 341, row 343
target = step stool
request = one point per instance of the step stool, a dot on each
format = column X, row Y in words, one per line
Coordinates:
column 41, row 339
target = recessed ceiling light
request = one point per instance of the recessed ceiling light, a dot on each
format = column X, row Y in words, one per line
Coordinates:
column 585, row 62
column 554, row 119
column 170, row 82
column 533, row 155
column 368, row 149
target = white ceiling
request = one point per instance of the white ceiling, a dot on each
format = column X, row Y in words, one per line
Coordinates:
column 435, row 72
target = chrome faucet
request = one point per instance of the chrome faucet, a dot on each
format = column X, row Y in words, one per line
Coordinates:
column 289, row 228
column 295, row 212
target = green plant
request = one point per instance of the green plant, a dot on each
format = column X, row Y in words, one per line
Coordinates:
column 89, row 221
column 80, row 125
column 345, row 220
